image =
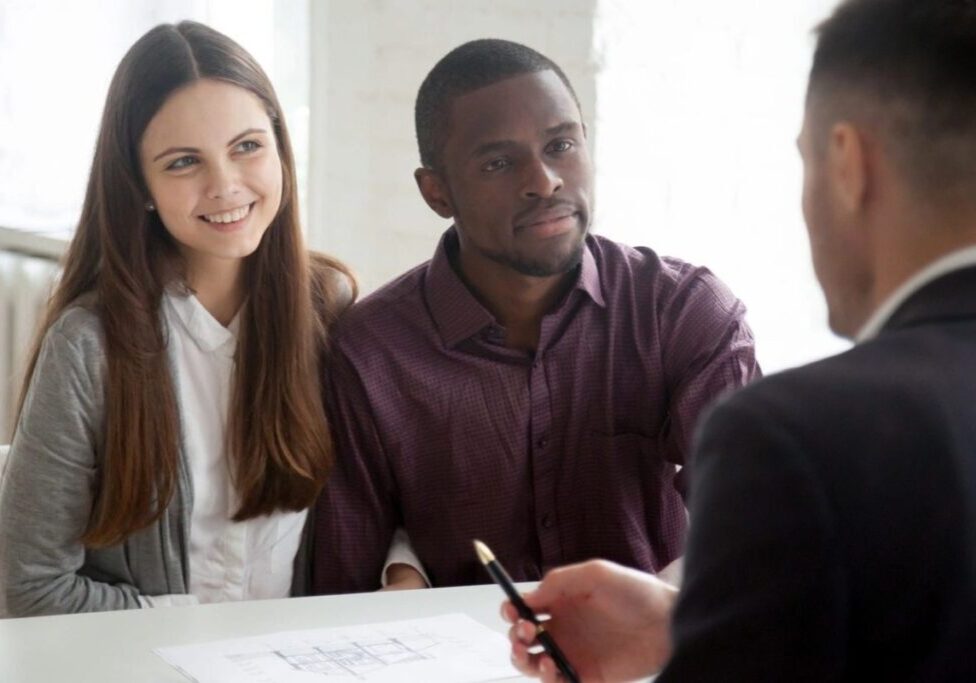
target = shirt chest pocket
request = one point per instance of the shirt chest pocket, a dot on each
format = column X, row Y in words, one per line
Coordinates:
column 619, row 460
column 628, row 470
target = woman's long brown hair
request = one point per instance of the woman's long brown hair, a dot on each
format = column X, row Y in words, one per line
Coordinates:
column 278, row 440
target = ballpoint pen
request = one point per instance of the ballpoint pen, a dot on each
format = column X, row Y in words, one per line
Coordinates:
column 501, row 577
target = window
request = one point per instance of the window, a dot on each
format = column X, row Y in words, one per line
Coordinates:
column 698, row 109
column 59, row 57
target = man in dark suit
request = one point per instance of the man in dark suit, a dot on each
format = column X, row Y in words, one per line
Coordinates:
column 833, row 507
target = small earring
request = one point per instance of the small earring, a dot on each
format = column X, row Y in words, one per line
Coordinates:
column 150, row 206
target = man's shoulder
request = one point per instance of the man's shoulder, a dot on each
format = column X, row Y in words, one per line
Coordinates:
column 889, row 379
column 841, row 423
column 672, row 281
column 616, row 259
column 389, row 312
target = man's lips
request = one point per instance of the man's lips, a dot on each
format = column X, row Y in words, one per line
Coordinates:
column 551, row 219
column 548, row 218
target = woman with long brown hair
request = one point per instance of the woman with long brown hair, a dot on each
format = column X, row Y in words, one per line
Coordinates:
column 171, row 432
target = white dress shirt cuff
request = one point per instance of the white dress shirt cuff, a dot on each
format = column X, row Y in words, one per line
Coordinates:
column 674, row 573
column 175, row 600
column 401, row 552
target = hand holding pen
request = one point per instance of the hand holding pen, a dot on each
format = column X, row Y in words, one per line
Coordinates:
column 501, row 577
column 612, row 622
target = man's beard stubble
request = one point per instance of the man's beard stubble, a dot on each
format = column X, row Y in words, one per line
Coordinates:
column 539, row 267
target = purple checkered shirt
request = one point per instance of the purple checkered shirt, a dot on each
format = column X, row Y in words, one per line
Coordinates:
column 568, row 454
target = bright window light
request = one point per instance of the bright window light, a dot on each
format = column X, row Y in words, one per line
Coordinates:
column 699, row 105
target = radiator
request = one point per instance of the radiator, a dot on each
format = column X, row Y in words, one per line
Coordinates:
column 25, row 285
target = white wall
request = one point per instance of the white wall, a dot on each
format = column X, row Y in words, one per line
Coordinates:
column 57, row 58
column 698, row 109
column 368, row 60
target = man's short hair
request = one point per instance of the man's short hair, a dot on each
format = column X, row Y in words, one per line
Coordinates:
column 464, row 69
column 908, row 66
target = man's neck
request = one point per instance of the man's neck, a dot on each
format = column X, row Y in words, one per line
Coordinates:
column 917, row 248
column 902, row 255
column 517, row 301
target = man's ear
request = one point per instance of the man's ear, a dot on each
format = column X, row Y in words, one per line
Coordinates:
column 434, row 192
column 849, row 166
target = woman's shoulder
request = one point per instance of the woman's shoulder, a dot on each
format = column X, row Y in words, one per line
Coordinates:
column 79, row 326
column 70, row 363
column 332, row 282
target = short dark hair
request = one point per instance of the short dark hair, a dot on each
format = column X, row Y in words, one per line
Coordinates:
column 464, row 69
column 911, row 66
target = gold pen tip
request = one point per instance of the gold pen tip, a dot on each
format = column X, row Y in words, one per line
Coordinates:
column 484, row 554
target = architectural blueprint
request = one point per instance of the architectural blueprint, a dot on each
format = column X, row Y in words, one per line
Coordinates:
column 452, row 648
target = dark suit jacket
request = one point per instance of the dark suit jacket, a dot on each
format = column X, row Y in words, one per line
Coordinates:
column 833, row 513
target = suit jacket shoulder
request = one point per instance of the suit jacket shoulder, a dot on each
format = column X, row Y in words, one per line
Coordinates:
column 833, row 518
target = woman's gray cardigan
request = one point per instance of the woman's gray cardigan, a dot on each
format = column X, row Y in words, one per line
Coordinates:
column 47, row 494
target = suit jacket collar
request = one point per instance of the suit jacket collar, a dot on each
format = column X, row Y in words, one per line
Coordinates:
column 950, row 297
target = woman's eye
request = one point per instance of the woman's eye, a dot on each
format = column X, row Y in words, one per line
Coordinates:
column 248, row 146
column 561, row 146
column 495, row 165
column 181, row 163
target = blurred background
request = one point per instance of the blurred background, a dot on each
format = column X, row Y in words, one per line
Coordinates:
column 693, row 110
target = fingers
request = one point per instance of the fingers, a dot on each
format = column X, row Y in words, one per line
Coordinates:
column 522, row 633
column 537, row 666
column 558, row 583
column 509, row 613
column 522, row 636
column 522, row 659
column 525, row 631
column 545, row 593
column 548, row 671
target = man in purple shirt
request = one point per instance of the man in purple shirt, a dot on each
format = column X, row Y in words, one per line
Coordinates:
column 532, row 385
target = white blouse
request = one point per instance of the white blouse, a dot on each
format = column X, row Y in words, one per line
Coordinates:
column 229, row 560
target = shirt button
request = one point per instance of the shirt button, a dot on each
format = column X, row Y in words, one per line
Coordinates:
column 542, row 442
column 546, row 521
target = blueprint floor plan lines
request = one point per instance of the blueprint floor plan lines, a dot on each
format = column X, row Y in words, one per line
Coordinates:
column 360, row 657
column 451, row 648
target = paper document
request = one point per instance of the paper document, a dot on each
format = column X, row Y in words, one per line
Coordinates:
column 453, row 648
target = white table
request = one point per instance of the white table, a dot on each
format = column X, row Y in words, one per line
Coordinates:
column 116, row 647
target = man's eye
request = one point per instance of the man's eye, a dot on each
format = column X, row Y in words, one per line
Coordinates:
column 248, row 146
column 182, row 162
column 496, row 165
column 561, row 146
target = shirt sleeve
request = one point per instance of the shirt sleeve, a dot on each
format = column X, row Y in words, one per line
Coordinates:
column 401, row 552
column 764, row 594
column 172, row 600
column 357, row 512
column 48, row 489
column 708, row 351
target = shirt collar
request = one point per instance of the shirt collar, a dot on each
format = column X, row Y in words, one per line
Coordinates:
column 199, row 325
column 589, row 278
column 458, row 315
column 956, row 260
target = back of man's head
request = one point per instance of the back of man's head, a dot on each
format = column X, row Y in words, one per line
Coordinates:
column 906, row 69
column 464, row 69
